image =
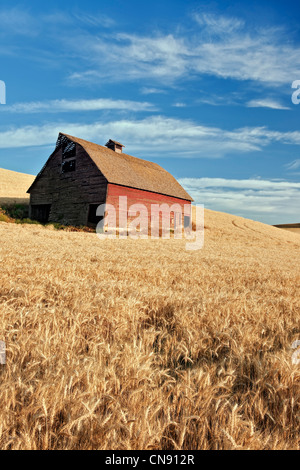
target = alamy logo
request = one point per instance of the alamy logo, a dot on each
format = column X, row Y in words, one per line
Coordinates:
column 2, row 92
column 139, row 221
column 296, row 94
column 2, row 353
column 296, row 354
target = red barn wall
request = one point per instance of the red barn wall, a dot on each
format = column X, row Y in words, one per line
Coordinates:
column 138, row 196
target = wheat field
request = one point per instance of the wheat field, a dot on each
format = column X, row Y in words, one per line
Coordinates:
column 13, row 187
column 123, row 344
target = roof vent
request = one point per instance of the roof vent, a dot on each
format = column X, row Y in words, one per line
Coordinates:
column 114, row 145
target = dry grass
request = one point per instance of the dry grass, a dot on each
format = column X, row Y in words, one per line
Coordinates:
column 143, row 345
column 13, row 187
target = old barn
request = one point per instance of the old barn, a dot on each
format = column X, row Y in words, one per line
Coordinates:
column 80, row 175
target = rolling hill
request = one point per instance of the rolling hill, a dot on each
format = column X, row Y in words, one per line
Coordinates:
column 13, row 187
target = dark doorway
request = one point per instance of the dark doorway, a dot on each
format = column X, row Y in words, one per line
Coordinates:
column 41, row 212
column 94, row 219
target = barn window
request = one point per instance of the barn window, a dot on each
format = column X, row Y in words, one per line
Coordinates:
column 68, row 147
column 68, row 150
column 69, row 165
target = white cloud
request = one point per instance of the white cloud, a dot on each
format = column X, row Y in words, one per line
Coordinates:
column 151, row 91
column 222, row 47
column 266, row 103
column 155, row 135
column 63, row 105
column 179, row 105
column 269, row 201
column 131, row 57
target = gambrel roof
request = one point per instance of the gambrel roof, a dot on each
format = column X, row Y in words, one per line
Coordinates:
column 125, row 170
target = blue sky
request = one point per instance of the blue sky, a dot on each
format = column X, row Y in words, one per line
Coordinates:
column 202, row 88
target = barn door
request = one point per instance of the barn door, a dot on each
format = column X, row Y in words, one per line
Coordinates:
column 41, row 212
column 93, row 219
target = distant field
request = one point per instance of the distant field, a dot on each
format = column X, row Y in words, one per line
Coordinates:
column 143, row 345
column 291, row 228
column 13, row 187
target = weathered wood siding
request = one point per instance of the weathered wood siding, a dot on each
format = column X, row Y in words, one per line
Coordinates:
column 71, row 193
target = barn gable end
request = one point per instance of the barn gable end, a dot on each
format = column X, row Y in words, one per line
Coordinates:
column 68, row 191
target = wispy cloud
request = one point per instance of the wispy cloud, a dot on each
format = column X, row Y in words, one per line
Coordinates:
column 95, row 20
column 179, row 105
column 230, row 98
column 219, row 46
column 151, row 91
column 164, row 136
column 266, row 103
column 20, row 21
column 17, row 21
column 219, row 24
column 131, row 57
column 270, row 201
column 56, row 106
column 295, row 165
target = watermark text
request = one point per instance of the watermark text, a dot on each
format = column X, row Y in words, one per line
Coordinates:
column 2, row 92
column 141, row 221
column 296, row 94
column 296, row 354
column 2, row 353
